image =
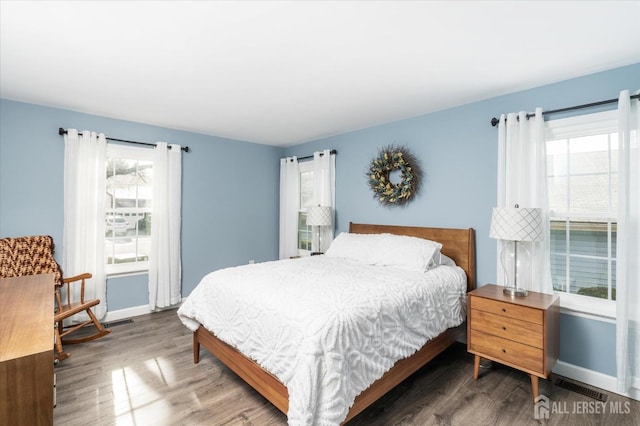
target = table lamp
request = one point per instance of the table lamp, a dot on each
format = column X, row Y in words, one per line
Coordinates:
column 514, row 225
column 319, row 216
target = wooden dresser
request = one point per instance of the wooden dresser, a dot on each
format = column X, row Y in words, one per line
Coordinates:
column 521, row 332
column 26, row 350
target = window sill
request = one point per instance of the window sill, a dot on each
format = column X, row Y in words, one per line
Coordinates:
column 127, row 269
column 123, row 274
column 588, row 307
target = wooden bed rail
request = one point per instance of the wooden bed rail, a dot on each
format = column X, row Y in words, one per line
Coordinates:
column 458, row 244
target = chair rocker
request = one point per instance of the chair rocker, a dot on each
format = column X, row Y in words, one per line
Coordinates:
column 65, row 309
column 34, row 255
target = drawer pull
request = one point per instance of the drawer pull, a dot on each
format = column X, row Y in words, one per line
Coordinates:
column 504, row 328
column 504, row 351
column 504, row 310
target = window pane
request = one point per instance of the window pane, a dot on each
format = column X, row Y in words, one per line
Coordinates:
column 143, row 224
column 589, row 239
column 557, row 157
column 558, row 237
column 558, row 189
column 613, row 139
column 589, row 276
column 614, row 173
column 557, row 172
column 128, row 210
column 590, row 178
column 306, row 190
column 589, row 195
column 306, row 200
column 613, row 279
column 589, row 154
column 582, row 186
column 129, row 183
column 559, row 272
column 115, row 224
column 588, row 255
column 127, row 250
column 304, row 232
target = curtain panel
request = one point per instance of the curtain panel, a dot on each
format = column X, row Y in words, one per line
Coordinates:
column 165, row 271
column 324, row 183
column 289, row 206
column 628, row 248
column 522, row 180
column 84, row 213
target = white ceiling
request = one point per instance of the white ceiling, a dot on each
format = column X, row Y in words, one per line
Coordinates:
column 283, row 73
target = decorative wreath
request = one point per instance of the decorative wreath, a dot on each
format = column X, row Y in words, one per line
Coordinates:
column 392, row 158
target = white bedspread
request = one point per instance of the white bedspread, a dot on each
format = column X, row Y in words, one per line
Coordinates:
column 326, row 327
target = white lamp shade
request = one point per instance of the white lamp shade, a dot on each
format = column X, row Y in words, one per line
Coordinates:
column 318, row 216
column 516, row 224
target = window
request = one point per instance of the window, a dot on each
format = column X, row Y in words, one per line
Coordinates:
column 129, row 189
column 306, row 200
column 582, row 155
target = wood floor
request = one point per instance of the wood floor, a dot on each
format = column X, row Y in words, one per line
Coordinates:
column 143, row 374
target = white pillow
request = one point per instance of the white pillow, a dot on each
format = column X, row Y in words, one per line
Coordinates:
column 400, row 251
column 446, row 260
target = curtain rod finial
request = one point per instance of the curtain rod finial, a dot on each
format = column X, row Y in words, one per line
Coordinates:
column 494, row 122
column 61, row 131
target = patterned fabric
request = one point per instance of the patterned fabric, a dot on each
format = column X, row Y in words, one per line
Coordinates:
column 28, row 256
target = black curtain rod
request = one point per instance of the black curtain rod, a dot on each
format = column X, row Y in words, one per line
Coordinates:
column 308, row 157
column 62, row 131
column 495, row 121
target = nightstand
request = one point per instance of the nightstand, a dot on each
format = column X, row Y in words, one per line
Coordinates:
column 521, row 332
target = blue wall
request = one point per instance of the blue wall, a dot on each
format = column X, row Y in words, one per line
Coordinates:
column 230, row 188
column 229, row 191
column 457, row 149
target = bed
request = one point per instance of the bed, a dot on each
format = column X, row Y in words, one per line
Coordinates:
column 261, row 370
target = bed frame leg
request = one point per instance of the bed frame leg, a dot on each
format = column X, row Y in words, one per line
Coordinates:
column 196, row 348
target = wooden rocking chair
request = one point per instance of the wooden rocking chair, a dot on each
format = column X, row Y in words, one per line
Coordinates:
column 34, row 255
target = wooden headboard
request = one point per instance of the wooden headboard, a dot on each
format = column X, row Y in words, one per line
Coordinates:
column 458, row 244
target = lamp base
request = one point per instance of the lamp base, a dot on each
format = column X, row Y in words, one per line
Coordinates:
column 515, row 292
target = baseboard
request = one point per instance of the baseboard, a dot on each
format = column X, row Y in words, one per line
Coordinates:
column 130, row 312
column 126, row 313
column 592, row 378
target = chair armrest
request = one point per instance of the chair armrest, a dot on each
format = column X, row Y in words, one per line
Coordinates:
column 71, row 280
column 84, row 276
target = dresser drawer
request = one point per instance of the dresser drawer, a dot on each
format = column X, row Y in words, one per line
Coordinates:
column 516, row 354
column 507, row 309
column 508, row 328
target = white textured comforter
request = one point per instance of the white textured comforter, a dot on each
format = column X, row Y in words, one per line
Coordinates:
column 326, row 327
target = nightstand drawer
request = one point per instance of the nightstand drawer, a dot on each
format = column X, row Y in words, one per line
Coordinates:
column 507, row 351
column 507, row 309
column 508, row 328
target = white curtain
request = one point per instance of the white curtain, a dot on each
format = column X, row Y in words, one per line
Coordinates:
column 164, row 259
column 324, row 194
column 522, row 180
column 289, row 206
column 628, row 248
column 84, row 213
